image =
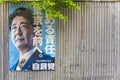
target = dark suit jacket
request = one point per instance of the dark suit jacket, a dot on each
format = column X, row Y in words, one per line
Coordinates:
column 33, row 59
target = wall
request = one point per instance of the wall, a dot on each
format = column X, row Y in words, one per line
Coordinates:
column 87, row 45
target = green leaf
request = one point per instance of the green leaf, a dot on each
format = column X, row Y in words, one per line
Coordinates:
column 1, row 1
column 52, row 7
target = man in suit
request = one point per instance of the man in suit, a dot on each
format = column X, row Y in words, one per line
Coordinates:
column 21, row 27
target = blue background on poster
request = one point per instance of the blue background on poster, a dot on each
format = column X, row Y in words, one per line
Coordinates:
column 13, row 53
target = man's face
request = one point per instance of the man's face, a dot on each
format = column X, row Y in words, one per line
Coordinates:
column 21, row 32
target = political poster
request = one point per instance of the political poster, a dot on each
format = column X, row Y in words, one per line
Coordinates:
column 32, row 39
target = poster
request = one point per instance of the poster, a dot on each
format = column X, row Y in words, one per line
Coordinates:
column 32, row 39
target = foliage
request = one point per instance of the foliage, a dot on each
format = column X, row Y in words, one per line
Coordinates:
column 52, row 7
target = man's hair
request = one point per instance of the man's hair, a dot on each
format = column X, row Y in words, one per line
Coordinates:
column 24, row 12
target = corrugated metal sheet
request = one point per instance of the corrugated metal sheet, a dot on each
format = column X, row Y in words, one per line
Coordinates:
column 87, row 45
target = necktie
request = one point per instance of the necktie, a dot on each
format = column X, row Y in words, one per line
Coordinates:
column 20, row 64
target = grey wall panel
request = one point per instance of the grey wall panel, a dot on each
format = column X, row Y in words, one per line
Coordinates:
column 5, row 41
column 87, row 45
column 1, row 41
column 89, row 40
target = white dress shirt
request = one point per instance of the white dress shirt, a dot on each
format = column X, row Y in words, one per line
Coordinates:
column 25, row 56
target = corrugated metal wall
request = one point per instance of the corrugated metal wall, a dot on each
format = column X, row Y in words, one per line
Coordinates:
column 87, row 45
